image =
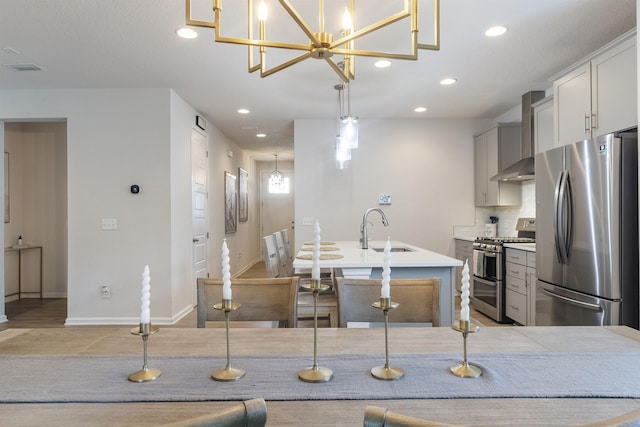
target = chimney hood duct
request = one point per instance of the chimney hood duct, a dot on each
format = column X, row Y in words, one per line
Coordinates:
column 524, row 169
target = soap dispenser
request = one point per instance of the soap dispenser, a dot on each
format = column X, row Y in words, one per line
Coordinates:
column 20, row 240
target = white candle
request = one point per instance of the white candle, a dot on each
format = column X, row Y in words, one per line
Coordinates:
column 226, row 272
column 315, row 257
column 386, row 271
column 464, row 303
column 145, row 315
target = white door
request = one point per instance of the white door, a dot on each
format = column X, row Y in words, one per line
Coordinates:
column 277, row 211
column 199, row 190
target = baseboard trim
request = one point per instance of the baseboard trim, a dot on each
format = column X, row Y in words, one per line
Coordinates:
column 126, row 321
column 246, row 268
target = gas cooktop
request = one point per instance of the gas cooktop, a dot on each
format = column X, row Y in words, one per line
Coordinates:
column 506, row 239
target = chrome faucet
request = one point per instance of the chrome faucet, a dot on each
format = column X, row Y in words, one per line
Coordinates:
column 364, row 240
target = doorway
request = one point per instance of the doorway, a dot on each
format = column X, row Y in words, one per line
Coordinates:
column 37, row 200
column 277, row 211
column 199, row 210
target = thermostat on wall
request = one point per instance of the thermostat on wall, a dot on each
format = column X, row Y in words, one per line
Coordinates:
column 384, row 199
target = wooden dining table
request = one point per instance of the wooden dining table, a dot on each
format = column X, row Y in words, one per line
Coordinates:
column 116, row 341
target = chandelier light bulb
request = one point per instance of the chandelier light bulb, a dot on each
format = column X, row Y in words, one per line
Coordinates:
column 262, row 11
column 347, row 22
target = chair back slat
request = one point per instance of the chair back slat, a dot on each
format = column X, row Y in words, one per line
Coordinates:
column 283, row 259
column 419, row 300
column 261, row 299
column 270, row 256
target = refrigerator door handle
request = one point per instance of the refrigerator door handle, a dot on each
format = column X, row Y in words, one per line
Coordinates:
column 563, row 218
column 557, row 218
column 590, row 306
column 568, row 204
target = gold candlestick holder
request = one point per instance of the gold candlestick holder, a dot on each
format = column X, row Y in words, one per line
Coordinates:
column 227, row 373
column 386, row 372
column 145, row 374
column 465, row 370
column 315, row 374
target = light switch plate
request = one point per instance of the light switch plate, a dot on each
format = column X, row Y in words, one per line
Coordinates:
column 109, row 224
column 307, row 220
column 384, row 199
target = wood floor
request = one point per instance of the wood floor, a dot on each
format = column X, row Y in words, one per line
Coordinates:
column 52, row 312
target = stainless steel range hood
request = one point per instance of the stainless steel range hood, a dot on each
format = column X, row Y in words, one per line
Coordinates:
column 524, row 169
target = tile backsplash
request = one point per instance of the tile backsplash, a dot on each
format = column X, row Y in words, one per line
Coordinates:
column 507, row 216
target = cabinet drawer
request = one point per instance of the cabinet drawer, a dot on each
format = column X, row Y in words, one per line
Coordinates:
column 516, row 307
column 531, row 259
column 517, row 256
column 517, row 285
column 516, row 270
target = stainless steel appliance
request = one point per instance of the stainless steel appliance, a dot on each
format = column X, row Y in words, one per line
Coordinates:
column 489, row 288
column 587, row 238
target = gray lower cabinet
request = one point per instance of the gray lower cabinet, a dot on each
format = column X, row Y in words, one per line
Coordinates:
column 464, row 251
column 520, row 283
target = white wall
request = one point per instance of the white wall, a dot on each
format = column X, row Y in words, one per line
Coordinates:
column 425, row 165
column 119, row 137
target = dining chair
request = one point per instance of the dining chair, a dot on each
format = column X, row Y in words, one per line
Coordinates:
column 285, row 267
column 375, row 416
column 287, row 247
column 270, row 256
column 250, row 413
column 270, row 299
column 418, row 299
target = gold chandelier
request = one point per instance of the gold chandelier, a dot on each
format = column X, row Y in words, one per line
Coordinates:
column 321, row 44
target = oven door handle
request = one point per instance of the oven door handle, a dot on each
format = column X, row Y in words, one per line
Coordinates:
column 485, row 281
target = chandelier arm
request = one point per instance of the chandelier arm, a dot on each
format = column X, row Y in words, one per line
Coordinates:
column 342, row 74
column 436, row 29
column 376, row 54
column 301, row 23
column 196, row 22
column 264, row 72
column 370, row 28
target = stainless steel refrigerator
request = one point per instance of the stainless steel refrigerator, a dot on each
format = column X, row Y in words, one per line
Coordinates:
column 587, row 233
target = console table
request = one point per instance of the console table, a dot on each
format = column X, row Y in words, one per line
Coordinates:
column 20, row 249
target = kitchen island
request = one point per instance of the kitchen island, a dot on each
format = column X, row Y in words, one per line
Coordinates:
column 407, row 262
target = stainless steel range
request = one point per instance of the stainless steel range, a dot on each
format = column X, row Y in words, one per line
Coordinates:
column 489, row 288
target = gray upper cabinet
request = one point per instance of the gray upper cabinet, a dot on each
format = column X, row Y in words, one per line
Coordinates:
column 598, row 95
column 543, row 125
column 496, row 149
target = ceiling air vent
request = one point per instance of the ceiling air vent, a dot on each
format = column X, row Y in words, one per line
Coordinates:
column 25, row 67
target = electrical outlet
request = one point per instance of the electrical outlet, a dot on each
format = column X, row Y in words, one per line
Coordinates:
column 106, row 292
column 109, row 224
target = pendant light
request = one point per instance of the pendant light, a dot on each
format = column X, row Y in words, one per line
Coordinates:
column 276, row 179
column 349, row 124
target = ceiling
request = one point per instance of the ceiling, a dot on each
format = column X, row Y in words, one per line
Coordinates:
column 132, row 44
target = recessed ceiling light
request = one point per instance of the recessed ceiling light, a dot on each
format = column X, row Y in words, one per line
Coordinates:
column 420, row 109
column 495, row 31
column 448, row 81
column 186, row 33
column 383, row 63
column 261, row 135
column 243, row 111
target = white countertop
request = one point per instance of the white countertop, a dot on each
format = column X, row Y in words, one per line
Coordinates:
column 354, row 257
column 530, row 247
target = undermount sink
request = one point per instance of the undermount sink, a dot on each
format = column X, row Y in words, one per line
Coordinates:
column 395, row 249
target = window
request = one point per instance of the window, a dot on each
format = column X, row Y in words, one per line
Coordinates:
column 275, row 188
